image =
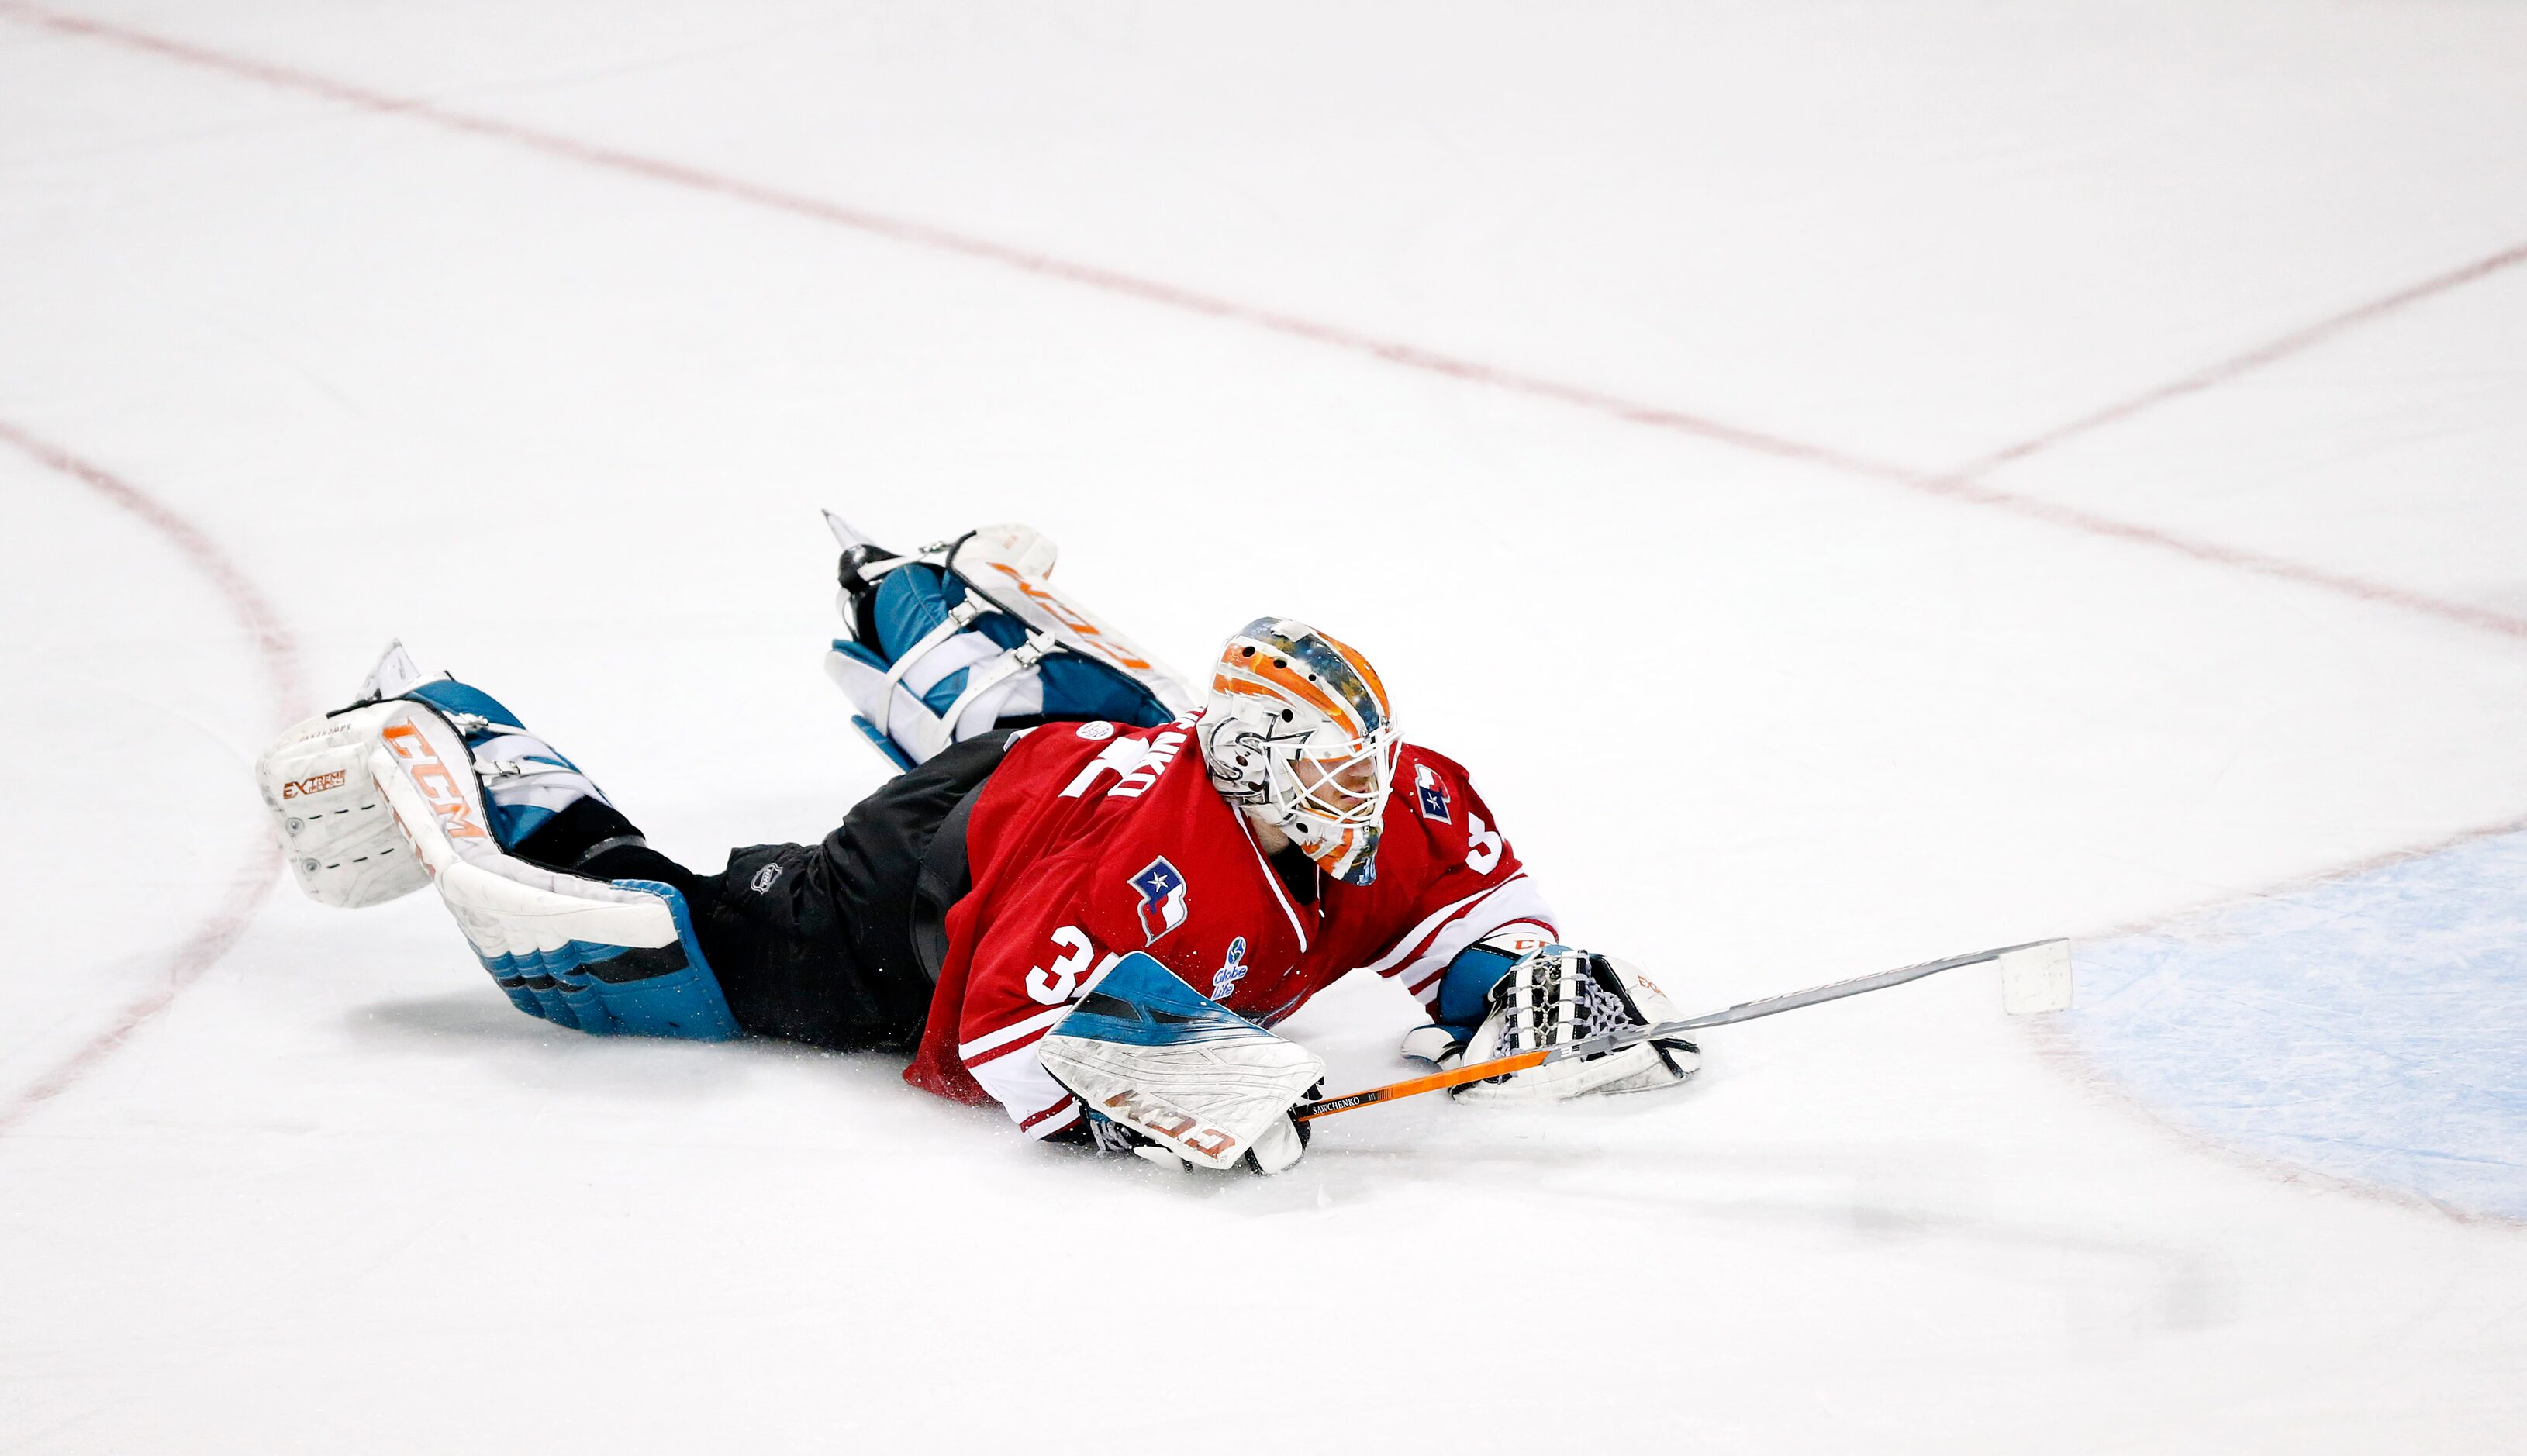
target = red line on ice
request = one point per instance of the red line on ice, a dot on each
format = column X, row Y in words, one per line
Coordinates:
column 273, row 644
column 2295, row 342
column 1956, row 484
column 2342, row 584
column 277, row 654
column 943, row 239
column 197, row 954
column 1962, row 481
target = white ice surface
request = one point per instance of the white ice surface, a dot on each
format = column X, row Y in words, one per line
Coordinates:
column 1756, row 723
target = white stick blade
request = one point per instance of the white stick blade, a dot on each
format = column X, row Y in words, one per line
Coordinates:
column 2036, row 978
column 395, row 675
column 843, row 533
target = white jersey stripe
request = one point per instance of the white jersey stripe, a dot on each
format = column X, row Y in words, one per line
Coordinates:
column 1051, row 1125
column 1411, row 940
column 1273, row 877
column 1014, row 1031
column 1515, row 903
column 1023, row 1088
column 1433, row 970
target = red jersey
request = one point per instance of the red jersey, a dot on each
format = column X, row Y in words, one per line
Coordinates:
column 1093, row 840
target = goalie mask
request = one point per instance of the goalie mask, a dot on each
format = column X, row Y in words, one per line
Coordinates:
column 1296, row 732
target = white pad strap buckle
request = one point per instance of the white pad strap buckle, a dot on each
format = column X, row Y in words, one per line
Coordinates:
column 959, row 618
column 515, row 768
column 980, row 681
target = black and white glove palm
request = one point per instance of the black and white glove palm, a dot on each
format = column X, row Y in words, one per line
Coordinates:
column 1520, row 997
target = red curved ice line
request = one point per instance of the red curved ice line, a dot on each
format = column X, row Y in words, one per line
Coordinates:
column 277, row 654
column 274, row 646
column 198, row 951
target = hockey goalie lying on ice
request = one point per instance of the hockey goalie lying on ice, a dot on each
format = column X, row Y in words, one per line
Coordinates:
column 1063, row 804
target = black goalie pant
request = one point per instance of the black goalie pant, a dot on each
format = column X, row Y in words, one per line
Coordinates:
column 835, row 944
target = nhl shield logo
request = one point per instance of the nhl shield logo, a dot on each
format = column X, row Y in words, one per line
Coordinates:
column 1162, row 888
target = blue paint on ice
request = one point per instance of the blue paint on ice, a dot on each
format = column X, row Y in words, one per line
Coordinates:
column 2373, row 1027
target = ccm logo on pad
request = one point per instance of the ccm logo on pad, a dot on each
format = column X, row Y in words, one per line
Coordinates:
column 1154, row 1115
column 301, row 788
column 437, row 783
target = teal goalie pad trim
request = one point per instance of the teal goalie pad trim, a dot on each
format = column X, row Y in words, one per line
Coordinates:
column 608, row 990
column 894, row 755
column 515, row 811
column 1141, row 1003
column 915, row 598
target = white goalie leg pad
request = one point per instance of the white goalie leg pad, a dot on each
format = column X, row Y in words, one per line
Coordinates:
column 506, row 907
column 1148, row 1051
column 340, row 836
column 597, row 957
column 1559, row 996
column 1008, row 565
column 998, row 683
column 1002, row 570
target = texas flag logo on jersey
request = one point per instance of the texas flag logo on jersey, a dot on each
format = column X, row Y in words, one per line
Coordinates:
column 1162, row 888
column 1433, row 794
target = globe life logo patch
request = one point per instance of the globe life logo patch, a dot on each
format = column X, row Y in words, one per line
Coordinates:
column 1231, row 971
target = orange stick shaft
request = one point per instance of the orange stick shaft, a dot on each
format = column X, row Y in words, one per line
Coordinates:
column 1412, row 1085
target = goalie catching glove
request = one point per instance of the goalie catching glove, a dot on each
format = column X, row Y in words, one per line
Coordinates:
column 1516, row 992
column 1172, row 1075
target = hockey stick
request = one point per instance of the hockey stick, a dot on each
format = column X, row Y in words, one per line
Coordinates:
column 2033, row 982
